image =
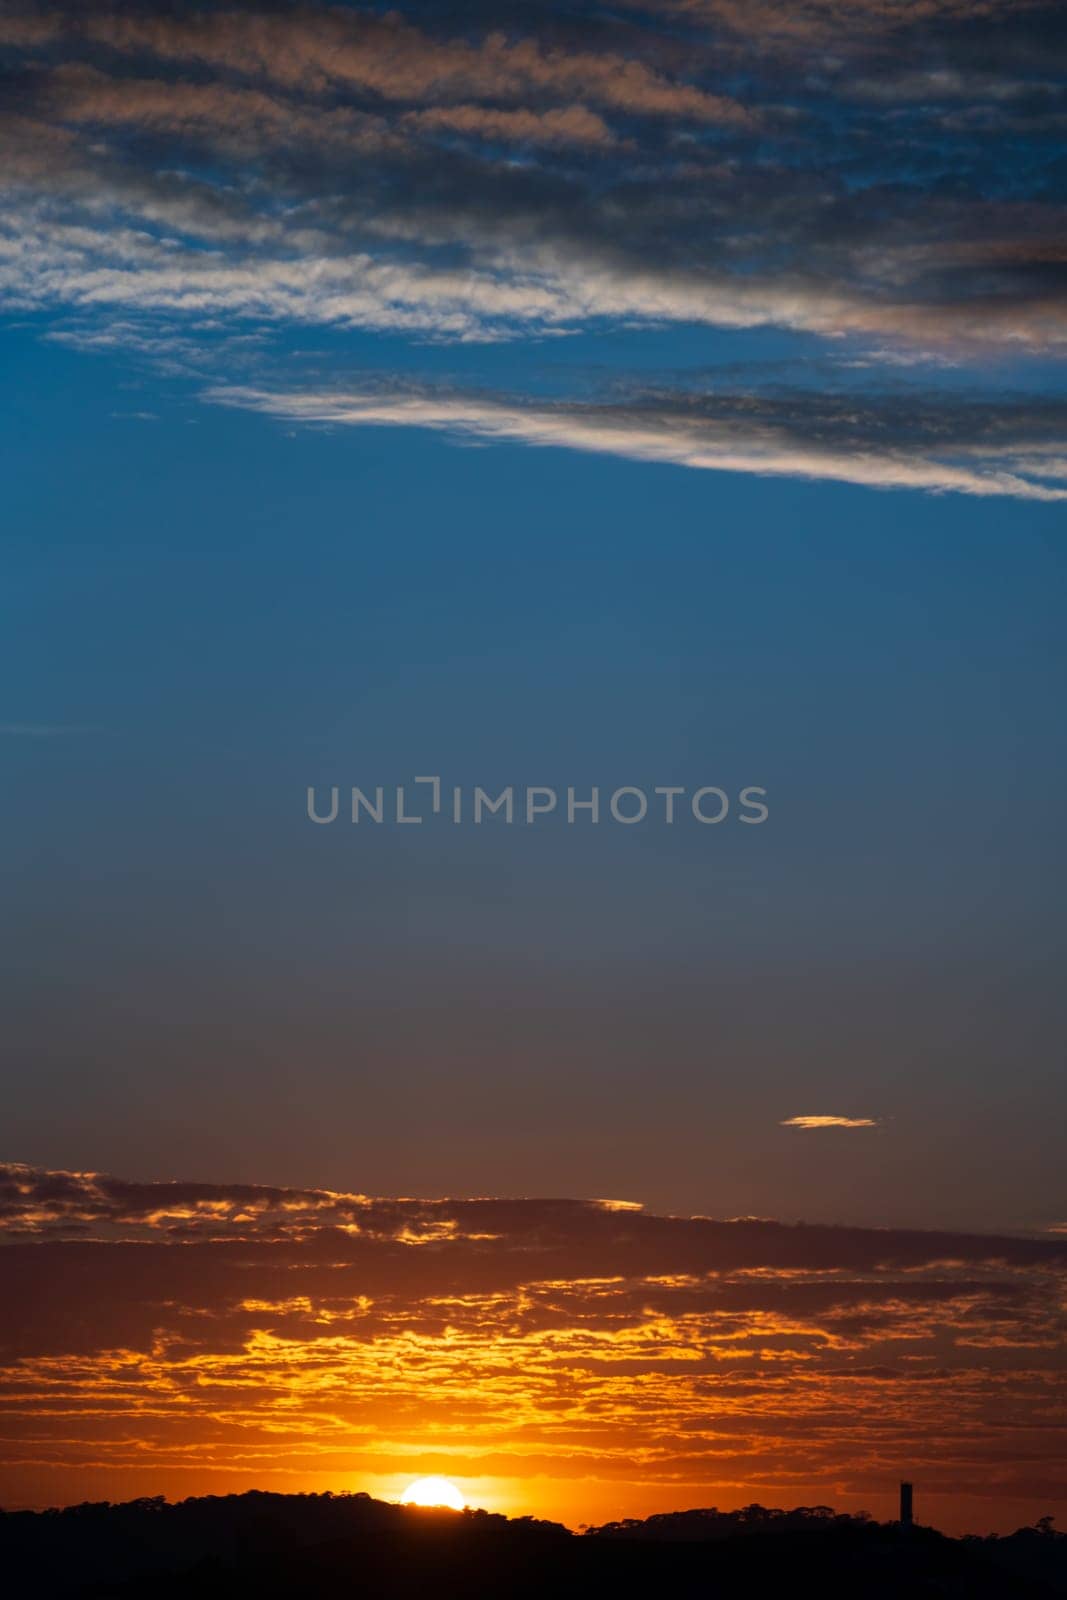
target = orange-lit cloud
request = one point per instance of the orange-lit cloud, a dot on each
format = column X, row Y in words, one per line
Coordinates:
column 398, row 61
column 829, row 1122
column 545, row 1355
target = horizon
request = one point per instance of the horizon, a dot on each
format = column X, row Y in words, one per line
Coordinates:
column 473, row 1510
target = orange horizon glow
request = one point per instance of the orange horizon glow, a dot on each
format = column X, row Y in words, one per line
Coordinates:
column 578, row 1361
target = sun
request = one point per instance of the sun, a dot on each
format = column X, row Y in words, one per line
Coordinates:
column 433, row 1492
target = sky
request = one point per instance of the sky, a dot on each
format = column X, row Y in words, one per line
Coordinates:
column 539, row 399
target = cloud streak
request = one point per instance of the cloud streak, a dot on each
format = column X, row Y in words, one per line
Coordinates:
column 880, row 442
column 316, row 48
column 814, row 1123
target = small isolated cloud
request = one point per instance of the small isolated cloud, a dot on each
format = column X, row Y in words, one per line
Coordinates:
column 829, row 1122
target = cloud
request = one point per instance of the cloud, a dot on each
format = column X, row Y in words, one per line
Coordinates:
column 237, row 118
column 318, row 47
column 937, row 443
column 193, row 1336
column 829, row 1122
column 562, row 125
column 842, row 23
column 403, row 173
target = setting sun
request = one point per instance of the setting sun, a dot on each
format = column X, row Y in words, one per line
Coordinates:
column 433, row 1492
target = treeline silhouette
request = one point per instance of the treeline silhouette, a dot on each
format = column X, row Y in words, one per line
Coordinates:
column 329, row 1546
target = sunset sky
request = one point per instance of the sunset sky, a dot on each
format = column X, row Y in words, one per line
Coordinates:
column 535, row 395
column 582, row 1360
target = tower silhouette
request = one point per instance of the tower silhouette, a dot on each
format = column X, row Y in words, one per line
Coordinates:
column 906, row 1517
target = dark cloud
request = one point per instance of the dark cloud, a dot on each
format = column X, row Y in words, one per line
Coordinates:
column 462, row 177
column 40, row 1204
column 231, row 1328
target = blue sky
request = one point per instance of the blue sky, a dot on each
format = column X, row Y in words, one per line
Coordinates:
column 317, row 475
column 217, row 613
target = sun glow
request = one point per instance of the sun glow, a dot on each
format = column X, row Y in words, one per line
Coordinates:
column 433, row 1492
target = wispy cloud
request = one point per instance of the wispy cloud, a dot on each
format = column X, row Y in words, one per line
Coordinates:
column 440, row 181
column 398, row 61
column 944, row 444
column 829, row 1122
column 565, row 168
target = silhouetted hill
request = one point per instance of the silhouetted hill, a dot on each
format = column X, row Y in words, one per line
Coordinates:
column 316, row 1547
